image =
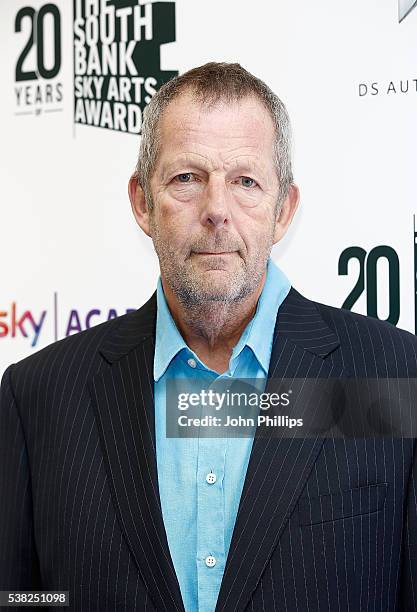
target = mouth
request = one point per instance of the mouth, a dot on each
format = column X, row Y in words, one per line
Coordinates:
column 212, row 253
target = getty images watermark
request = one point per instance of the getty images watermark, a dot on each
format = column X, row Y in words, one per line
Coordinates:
column 304, row 407
column 231, row 403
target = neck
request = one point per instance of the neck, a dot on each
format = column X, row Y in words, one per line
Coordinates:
column 213, row 329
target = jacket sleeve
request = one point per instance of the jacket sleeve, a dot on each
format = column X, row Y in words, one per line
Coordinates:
column 408, row 589
column 19, row 567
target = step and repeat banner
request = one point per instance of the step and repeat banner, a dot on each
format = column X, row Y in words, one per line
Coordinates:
column 76, row 76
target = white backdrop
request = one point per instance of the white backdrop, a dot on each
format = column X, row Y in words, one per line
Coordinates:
column 69, row 244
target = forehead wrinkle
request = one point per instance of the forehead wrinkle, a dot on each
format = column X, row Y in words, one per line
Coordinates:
column 188, row 127
column 202, row 146
column 218, row 141
column 246, row 160
column 188, row 157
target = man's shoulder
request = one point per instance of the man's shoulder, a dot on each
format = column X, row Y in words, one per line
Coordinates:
column 374, row 338
column 340, row 318
column 79, row 353
column 78, row 348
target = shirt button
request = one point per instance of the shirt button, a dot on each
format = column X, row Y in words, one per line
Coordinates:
column 210, row 561
column 211, row 478
column 192, row 362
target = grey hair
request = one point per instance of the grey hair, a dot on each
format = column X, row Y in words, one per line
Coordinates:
column 209, row 84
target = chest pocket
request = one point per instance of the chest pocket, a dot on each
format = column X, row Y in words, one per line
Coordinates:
column 351, row 502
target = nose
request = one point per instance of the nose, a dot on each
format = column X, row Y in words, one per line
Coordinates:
column 215, row 205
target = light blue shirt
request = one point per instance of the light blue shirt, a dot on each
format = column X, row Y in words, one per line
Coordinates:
column 199, row 514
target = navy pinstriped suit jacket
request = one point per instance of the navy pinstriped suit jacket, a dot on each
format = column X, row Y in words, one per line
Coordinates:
column 79, row 501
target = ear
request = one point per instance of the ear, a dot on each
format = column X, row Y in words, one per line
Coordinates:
column 138, row 203
column 288, row 208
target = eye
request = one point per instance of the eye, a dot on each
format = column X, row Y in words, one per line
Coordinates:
column 184, row 177
column 246, row 181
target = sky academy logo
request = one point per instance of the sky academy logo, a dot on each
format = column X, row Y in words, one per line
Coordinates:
column 51, row 323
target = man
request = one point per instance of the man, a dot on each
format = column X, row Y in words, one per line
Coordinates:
column 98, row 501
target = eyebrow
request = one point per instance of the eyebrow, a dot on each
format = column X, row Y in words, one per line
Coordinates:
column 240, row 163
column 187, row 159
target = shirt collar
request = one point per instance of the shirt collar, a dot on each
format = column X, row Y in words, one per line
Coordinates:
column 275, row 290
column 168, row 340
column 257, row 335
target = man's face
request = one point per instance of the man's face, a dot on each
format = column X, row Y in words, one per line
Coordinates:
column 214, row 192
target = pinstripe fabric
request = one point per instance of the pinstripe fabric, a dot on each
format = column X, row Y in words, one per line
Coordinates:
column 322, row 524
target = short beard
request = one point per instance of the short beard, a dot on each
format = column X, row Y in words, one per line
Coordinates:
column 192, row 294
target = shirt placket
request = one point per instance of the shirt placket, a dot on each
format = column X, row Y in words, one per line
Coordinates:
column 210, row 519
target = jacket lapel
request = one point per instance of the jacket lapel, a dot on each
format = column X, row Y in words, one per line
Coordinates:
column 279, row 467
column 277, row 471
column 124, row 407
